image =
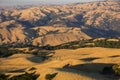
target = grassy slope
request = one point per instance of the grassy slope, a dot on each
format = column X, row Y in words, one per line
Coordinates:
column 85, row 63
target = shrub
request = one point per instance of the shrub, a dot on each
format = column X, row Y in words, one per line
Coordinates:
column 112, row 70
column 32, row 68
column 50, row 76
column 26, row 76
column 3, row 77
column 116, row 69
column 4, row 52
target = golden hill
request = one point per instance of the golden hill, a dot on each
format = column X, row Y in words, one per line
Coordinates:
column 93, row 20
column 79, row 64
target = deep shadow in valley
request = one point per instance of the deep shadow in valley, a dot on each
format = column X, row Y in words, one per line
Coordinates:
column 96, row 33
column 92, row 70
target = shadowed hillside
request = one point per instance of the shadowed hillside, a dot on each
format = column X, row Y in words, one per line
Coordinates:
column 54, row 25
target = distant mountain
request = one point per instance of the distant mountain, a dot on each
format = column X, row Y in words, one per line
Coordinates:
column 54, row 25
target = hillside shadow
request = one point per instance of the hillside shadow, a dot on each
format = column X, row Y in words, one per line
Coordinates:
column 85, row 54
column 90, row 67
column 17, row 71
column 89, row 59
column 89, row 70
column 41, row 56
column 35, row 59
column 31, row 33
column 79, row 21
column 26, row 23
column 115, row 56
column 96, row 33
column 13, row 70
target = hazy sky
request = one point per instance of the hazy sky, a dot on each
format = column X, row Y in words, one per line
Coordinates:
column 23, row 2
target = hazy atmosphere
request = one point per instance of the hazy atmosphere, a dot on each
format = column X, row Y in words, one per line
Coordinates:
column 30, row 2
column 59, row 39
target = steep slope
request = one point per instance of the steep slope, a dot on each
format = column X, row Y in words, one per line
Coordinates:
column 57, row 35
column 94, row 19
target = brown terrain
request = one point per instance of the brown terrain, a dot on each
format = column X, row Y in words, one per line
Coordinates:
column 54, row 25
column 78, row 64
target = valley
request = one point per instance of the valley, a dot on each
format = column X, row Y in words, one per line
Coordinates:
column 79, row 41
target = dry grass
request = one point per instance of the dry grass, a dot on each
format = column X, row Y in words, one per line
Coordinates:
column 79, row 64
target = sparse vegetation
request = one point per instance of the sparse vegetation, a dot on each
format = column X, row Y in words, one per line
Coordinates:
column 36, row 33
column 5, row 51
column 89, row 43
column 50, row 76
column 107, row 44
column 112, row 70
column 116, row 69
column 3, row 77
column 26, row 76
column 32, row 68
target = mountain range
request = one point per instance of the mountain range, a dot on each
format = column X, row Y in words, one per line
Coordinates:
column 54, row 25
